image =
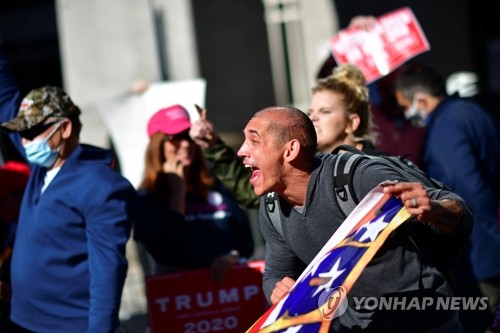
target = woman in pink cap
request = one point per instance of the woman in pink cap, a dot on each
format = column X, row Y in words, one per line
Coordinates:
column 191, row 221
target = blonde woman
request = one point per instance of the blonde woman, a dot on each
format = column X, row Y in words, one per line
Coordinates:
column 340, row 111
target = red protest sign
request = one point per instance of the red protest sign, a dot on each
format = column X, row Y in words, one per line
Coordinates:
column 189, row 302
column 395, row 38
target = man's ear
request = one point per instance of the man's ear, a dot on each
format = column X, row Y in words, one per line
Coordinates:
column 67, row 129
column 292, row 150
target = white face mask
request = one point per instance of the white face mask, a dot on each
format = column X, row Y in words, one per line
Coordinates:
column 415, row 114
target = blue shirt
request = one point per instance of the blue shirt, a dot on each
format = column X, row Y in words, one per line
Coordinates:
column 462, row 150
column 68, row 265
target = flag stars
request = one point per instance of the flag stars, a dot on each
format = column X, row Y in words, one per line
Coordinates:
column 372, row 230
column 332, row 275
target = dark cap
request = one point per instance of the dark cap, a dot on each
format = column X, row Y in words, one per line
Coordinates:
column 40, row 104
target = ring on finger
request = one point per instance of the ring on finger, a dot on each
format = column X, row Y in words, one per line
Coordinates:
column 414, row 202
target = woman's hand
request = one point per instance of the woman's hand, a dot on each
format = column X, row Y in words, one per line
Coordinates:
column 173, row 165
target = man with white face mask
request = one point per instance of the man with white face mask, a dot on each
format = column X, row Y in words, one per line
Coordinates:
column 462, row 150
column 68, row 265
column 415, row 112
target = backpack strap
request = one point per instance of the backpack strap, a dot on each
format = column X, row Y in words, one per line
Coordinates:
column 348, row 148
column 404, row 167
column 273, row 211
column 342, row 181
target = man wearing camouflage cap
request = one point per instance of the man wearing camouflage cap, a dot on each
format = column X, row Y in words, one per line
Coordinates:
column 68, row 264
column 40, row 104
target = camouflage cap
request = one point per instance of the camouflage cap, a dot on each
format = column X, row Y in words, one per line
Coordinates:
column 40, row 104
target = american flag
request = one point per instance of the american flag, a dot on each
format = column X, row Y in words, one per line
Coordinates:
column 318, row 294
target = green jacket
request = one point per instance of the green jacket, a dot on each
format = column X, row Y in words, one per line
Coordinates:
column 233, row 174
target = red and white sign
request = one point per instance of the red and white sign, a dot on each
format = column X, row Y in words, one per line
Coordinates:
column 395, row 38
column 189, row 302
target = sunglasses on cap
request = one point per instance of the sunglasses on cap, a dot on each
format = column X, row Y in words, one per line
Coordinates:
column 183, row 136
column 36, row 130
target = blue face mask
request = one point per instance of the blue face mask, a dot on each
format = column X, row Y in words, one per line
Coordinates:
column 39, row 152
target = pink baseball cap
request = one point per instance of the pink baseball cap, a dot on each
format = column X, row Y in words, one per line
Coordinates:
column 170, row 120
